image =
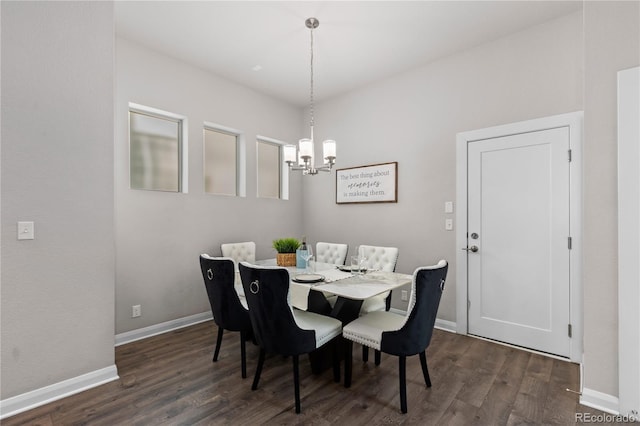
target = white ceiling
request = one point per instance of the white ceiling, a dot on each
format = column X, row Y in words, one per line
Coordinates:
column 356, row 43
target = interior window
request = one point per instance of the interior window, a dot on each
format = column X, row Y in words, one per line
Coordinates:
column 220, row 162
column 269, row 170
column 156, row 145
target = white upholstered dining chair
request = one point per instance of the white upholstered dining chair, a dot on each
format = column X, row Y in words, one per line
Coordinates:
column 381, row 259
column 333, row 253
column 240, row 252
column 378, row 259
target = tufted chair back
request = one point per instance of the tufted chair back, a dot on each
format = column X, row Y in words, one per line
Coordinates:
column 380, row 258
column 240, row 252
column 331, row 253
column 280, row 329
column 229, row 311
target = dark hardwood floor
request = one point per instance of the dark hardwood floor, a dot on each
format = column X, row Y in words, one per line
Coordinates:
column 170, row 380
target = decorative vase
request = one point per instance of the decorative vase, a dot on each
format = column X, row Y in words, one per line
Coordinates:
column 286, row 259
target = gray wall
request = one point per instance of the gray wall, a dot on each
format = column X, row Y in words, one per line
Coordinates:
column 612, row 43
column 57, row 298
column 413, row 119
column 160, row 235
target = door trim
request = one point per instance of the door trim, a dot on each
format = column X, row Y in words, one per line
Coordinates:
column 573, row 121
column 628, row 247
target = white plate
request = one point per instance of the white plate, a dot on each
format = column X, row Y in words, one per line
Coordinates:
column 346, row 268
column 308, row 278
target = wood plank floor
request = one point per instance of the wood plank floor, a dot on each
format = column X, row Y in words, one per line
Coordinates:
column 170, row 380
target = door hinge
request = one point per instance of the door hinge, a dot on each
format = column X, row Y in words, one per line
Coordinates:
column 569, row 155
column 468, row 304
column 569, row 331
column 570, row 241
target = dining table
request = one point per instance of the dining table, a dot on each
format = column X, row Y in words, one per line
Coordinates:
column 327, row 280
column 334, row 290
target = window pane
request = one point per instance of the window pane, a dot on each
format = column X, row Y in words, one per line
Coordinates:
column 268, row 170
column 154, row 152
column 220, row 162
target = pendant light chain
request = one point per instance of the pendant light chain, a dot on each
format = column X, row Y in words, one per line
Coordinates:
column 311, row 92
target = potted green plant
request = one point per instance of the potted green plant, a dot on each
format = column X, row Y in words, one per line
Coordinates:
column 286, row 248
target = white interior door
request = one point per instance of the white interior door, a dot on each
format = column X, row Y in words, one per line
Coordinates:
column 518, row 218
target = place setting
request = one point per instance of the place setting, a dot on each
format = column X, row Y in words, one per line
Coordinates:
column 308, row 278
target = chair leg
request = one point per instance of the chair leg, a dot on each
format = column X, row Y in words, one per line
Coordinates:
column 377, row 357
column 403, row 384
column 365, row 354
column 336, row 358
column 256, row 378
column 296, row 383
column 425, row 370
column 218, row 344
column 243, row 354
column 348, row 361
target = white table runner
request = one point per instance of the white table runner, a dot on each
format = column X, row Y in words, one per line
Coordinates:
column 299, row 292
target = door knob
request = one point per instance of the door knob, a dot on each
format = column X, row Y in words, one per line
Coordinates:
column 471, row 249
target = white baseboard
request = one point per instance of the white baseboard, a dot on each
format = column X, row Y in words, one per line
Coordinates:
column 163, row 327
column 27, row 401
column 440, row 323
column 600, row 401
column 445, row 325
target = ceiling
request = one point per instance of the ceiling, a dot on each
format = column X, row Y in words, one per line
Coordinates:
column 265, row 45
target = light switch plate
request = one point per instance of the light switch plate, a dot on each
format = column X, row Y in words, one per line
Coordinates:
column 26, row 231
column 448, row 206
column 448, row 225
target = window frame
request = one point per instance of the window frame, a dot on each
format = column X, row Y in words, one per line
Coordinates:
column 183, row 144
column 283, row 170
column 241, row 185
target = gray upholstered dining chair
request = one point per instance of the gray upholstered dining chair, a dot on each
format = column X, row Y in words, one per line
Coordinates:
column 280, row 329
column 381, row 259
column 333, row 253
column 401, row 335
column 229, row 310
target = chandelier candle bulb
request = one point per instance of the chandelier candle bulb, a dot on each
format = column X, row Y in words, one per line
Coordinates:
column 289, row 153
column 329, row 150
column 306, row 148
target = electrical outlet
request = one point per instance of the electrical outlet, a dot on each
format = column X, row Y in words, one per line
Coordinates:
column 136, row 311
column 404, row 296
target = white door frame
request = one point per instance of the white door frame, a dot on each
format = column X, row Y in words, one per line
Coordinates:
column 628, row 247
column 572, row 120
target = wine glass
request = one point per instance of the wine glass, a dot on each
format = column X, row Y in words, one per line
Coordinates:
column 362, row 261
column 306, row 256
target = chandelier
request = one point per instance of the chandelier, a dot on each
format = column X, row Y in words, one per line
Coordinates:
column 304, row 155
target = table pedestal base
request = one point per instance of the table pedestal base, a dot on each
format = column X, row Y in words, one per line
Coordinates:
column 345, row 310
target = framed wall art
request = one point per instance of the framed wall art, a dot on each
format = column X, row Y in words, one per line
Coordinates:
column 376, row 183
